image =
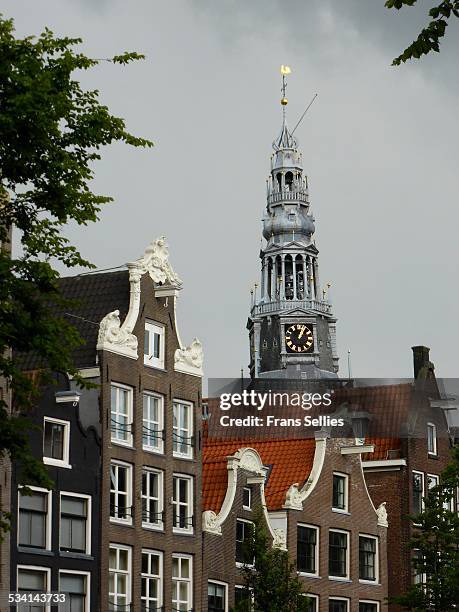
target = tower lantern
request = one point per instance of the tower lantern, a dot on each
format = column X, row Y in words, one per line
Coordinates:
column 291, row 327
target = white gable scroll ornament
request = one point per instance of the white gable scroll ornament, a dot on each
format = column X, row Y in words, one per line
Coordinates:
column 382, row 515
column 117, row 337
column 189, row 360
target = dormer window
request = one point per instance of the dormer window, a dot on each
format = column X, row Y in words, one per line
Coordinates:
column 154, row 345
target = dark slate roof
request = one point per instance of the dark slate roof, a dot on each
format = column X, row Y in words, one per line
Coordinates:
column 95, row 295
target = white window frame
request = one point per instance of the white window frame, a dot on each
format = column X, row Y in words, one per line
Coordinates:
column 88, row 500
column 160, row 577
column 223, row 584
column 36, row 568
column 345, row 578
column 127, row 572
column 176, row 504
column 189, row 580
column 160, row 474
column 148, row 359
column 242, row 587
column 337, row 598
column 183, row 432
column 317, row 530
column 371, row 601
column 314, row 597
column 65, row 462
column 115, row 413
column 87, row 575
column 432, row 427
column 423, row 487
column 159, row 448
column 245, row 507
column 371, row 537
column 344, row 510
column 435, row 478
column 239, row 563
column 49, row 514
column 129, row 481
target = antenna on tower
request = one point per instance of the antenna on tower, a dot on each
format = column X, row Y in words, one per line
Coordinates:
column 302, row 116
column 284, row 70
column 349, row 371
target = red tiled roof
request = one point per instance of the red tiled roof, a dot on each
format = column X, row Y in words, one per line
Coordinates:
column 290, row 461
column 385, row 448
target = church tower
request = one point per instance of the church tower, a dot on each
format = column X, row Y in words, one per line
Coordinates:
column 292, row 329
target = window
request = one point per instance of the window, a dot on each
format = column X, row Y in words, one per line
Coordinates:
column 431, row 439
column 432, row 481
column 243, row 533
column 152, row 498
column 76, row 586
column 152, row 580
column 182, row 502
column 33, row 580
column 368, row 606
column 338, row 604
column 75, row 535
column 120, row 492
column 152, row 424
column 307, row 549
column 182, row 593
column 242, row 595
column 368, row 558
column 312, row 602
column 338, row 554
column 247, row 498
column 56, row 436
column 418, row 492
column 419, row 577
column 183, row 430
column 340, row 489
column 121, row 414
column 35, row 519
column 216, row 596
column 154, row 345
column 119, row 581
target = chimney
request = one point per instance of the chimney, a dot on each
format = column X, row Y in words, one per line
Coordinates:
column 421, row 361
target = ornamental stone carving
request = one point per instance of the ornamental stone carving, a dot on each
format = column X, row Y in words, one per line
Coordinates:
column 118, row 338
column 113, row 337
column 156, row 262
column 190, row 359
column 294, row 499
column 280, row 539
column 211, row 523
column 382, row 515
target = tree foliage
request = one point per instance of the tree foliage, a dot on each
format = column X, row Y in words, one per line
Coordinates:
column 436, row 543
column 429, row 37
column 271, row 583
column 51, row 133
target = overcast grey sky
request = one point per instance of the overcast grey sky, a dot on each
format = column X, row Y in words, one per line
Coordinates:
column 379, row 144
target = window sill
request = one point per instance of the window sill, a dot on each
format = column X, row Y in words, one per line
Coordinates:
column 56, row 463
column 152, row 527
column 370, row 582
column 186, row 457
column 73, row 555
column 339, row 511
column 153, row 451
column 154, row 367
column 240, row 564
column 306, row 575
column 123, row 444
column 247, row 508
column 340, row 578
column 35, row 551
column 186, row 532
column 115, row 521
column 432, row 455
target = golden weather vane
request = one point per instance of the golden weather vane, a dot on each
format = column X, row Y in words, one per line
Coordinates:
column 284, row 70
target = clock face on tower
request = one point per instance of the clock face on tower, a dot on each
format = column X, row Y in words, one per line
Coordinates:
column 299, row 338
